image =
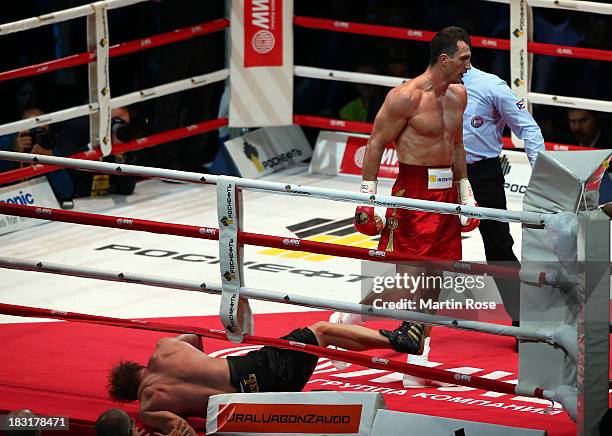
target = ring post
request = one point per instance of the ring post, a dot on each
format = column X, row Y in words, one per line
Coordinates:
column 235, row 312
column 99, row 79
column 575, row 243
column 593, row 310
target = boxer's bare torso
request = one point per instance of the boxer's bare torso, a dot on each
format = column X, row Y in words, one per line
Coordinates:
column 178, row 381
column 423, row 117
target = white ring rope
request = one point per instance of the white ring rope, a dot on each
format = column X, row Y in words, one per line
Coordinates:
column 529, row 218
column 64, row 15
column 123, row 100
column 570, row 5
column 347, row 76
column 390, row 81
column 277, row 297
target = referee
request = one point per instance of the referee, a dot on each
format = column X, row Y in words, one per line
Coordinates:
column 492, row 105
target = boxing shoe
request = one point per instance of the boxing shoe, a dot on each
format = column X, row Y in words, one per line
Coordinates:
column 407, row 338
column 343, row 318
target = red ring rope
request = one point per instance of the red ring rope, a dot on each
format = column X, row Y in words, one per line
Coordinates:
column 366, row 128
column 118, row 49
column 270, row 241
column 440, row 375
column 426, row 36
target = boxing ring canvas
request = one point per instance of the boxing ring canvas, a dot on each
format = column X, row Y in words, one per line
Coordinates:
column 77, row 356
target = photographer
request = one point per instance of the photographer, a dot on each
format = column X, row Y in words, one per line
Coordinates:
column 76, row 133
column 42, row 140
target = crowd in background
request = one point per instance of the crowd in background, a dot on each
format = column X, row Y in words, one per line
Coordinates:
column 341, row 51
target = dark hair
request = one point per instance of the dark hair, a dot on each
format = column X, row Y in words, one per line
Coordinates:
column 113, row 422
column 445, row 41
column 123, row 381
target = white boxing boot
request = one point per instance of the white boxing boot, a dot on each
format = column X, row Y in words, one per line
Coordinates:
column 410, row 381
column 343, row 318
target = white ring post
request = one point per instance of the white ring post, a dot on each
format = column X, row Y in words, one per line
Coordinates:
column 235, row 313
column 519, row 56
column 99, row 80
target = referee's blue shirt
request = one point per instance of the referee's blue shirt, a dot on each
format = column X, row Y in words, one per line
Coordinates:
column 492, row 104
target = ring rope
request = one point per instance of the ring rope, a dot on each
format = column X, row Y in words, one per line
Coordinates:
column 63, row 15
column 525, row 333
column 133, row 145
column 123, row 100
column 291, row 244
column 529, row 218
column 451, row 377
column 426, row 36
column 120, row 49
column 366, row 128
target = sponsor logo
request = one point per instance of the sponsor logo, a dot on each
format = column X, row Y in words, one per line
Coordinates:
column 225, row 221
column 377, row 253
column 416, row 33
column 341, row 25
column 208, row 230
column 125, row 222
column 263, row 41
column 252, row 154
column 282, row 158
column 289, row 418
column 477, row 121
column 505, row 164
column 515, row 188
column 565, row 51
column 521, row 104
column 21, row 198
column 359, row 155
column 337, row 123
column 563, row 102
column 463, row 377
column 231, row 318
column 43, row 211
column 231, row 255
column 297, row 344
column 489, row 43
column 155, row 253
column 229, row 200
column 263, row 33
column 293, row 242
column 380, row 360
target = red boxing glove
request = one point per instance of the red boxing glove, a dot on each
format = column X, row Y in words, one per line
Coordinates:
column 368, row 220
column 466, row 197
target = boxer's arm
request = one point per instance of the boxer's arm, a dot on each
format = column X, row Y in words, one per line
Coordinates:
column 389, row 123
column 191, row 339
column 163, row 420
column 459, row 166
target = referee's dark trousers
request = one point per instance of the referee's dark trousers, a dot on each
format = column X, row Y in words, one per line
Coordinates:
column 487, row 180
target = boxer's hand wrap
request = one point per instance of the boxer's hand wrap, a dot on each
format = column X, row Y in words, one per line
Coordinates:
column 466, row 197
column 368, row 220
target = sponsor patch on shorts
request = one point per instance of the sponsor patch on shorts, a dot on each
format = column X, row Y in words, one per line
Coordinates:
column 439, row 178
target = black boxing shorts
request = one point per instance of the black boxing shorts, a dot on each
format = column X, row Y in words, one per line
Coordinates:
column 272, row 369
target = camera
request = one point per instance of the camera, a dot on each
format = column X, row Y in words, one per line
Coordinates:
column 121, row 129
column 43, row 137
